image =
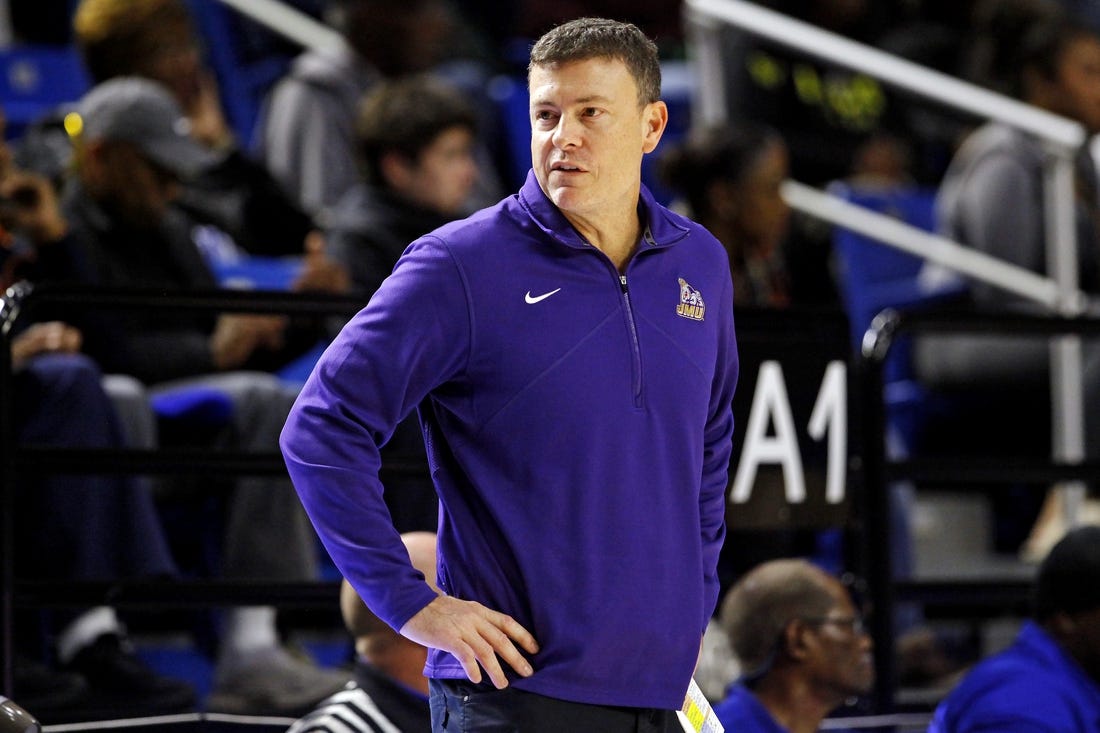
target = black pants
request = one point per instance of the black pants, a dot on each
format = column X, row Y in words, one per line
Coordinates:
column 459, row 706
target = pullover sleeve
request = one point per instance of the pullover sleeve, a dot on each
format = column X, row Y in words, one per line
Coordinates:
column 410, row 338
column 718, row 447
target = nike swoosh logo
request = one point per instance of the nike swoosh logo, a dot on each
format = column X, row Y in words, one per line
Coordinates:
column 537, row 298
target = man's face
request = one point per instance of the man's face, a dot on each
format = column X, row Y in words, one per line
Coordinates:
column 588, row 136
column 444, row 173
column 132, row 187
column 1083, row 641
column 1076, row 92
column 762, row 213
column 172, row 57
column 840, row 660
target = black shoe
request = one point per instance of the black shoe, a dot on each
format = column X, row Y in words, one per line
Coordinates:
column 37, row 687
column 122, row 682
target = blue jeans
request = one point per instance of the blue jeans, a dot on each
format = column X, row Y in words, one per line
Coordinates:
column 459, row 706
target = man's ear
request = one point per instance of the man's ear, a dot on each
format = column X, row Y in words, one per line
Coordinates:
column 655, row 119
column 396, row 171
column 92, row 156
column 795, row 640
column 722, row 196
column 1062, row 625
column 1035, row 87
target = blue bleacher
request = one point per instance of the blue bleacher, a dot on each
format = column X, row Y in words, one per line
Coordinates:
column 35, row 79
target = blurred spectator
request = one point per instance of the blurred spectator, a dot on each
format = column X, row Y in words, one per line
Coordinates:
column 155, row 39
column 731, row 177
column 309, row 121
column 73, row 526
column 992, row 199
column 83, row 528
column 802, row 648
column 390, row 691
column 415, row 142
column 1048, row 681
column 998, row 30
column 132, row 151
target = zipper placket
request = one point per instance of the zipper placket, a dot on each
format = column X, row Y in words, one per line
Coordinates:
column 636, row 347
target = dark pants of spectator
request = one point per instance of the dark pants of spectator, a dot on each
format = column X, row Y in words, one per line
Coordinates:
column 73, row 526
column 76, row 527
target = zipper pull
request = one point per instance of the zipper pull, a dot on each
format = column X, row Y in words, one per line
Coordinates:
column 622, row 283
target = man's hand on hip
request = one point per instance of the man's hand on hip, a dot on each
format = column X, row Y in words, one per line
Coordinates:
column 473, row 634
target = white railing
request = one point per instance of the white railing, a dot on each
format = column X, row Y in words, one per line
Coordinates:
column 289, row 22
column 1063, row 137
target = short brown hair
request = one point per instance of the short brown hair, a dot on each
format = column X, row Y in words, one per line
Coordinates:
column 116, row 36
column 405, row 116
column 589, row 38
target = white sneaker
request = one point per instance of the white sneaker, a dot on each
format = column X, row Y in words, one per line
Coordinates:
column 272, row 682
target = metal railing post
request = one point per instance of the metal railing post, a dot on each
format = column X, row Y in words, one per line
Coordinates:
column 1066, row 368
column 705, row 52
column 9, row 309
column 877, row 535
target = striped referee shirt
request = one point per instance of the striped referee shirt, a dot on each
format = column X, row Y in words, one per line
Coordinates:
column 370, row 704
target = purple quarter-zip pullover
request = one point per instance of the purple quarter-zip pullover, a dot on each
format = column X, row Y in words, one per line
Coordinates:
column 578, row 425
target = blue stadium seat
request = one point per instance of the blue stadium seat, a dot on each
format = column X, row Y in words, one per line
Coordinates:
column 204, row 405
column 36, row 79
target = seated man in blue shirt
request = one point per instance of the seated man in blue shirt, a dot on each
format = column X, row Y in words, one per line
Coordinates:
column 1048, row 681
column 802, row 648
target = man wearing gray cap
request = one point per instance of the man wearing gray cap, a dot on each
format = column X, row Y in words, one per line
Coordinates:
column 133, row 148
column 137, row 112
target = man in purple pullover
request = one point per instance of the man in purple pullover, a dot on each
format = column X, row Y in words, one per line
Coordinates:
column 571, row 355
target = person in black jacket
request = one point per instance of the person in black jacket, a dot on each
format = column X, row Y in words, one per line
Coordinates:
column 133, row 148
column 156, row 39
column 71, row 527
column 415, row 145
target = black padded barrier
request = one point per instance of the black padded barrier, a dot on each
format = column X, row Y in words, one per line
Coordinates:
column 16, row 460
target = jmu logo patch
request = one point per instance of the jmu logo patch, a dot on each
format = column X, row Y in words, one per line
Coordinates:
column 691, row 302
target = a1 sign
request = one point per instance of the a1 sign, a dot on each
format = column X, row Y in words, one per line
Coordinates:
column 793, row 427
column 771, row 435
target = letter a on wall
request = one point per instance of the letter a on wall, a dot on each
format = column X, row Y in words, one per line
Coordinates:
column 770, row 406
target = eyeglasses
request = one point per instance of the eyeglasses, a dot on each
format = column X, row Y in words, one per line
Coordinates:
column 854, row 624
